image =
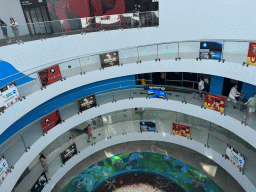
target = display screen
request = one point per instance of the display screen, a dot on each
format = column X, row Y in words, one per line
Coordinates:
column 51, row 121
column 156, row 94
column 109, row 59
column 40, row 183
column 210, row 50
column 8, row 96
column 147, row 126
column 214, row 102
column 68, row 153
column 235, row 157
column 181, row 130
column 87, row 103
column 50, row 75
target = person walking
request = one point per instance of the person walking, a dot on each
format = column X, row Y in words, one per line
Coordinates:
column 252, row 106
column 200, row 87
column 89, row 133
column 233, row 94
column 42, row 160
column 14, row 25
column 4, row 29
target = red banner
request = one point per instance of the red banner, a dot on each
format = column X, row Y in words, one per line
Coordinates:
column 251, row 58
column 181, row 130
column 215, row 103
column 50, row 75
column 51, row 121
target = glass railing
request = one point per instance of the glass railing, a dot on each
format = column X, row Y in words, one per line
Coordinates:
column 128, row 121
column 49, row 29
column 32, row 132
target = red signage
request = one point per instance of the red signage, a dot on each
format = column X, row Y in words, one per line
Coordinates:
column 181, row 130
column 251, row 58
column 214, row 102
column 51, row 121
column 50, row 75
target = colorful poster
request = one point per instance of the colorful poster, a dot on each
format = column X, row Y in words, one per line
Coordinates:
column 251, row 58
column 181, row 130
column 109, row 59
column 68, row 153
column 157, row 93
column 215, row 103
column 50, row 75
column 235, row 157
column 87, row 103
column 51, row 121
column 147, row 126
column 4, row 169
column 40, row 183
column 210, row 50
column 8, row 96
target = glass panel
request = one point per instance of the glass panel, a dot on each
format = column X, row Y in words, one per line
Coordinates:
column 235, row 51
column 219, row 129
column 104, row 98
column 90, row 63
column 199, row 135
column 202, row 123
column 71, row 26
column 217, row 145
column 113, row 130
column 147, row 53
column 70, row 68
column 250, row 170
column 130, row 128
column 128, row 55
column 185, row 118
column 69, row 110
column 122, row 95
column 189, row 50
column 53, row 167
column 99, row 134
column 164, row 126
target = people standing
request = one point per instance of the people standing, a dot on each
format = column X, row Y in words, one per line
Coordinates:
column 200, row 87
column 42, row 159
column 233, row 94
column 14, row 25
column 252, row 106
column 4, row 29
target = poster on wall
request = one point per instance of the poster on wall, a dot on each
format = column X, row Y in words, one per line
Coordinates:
column 214, row 102
column 87, row 103
column 109, row 59
column 51, row 121
column 181, row 130
column 251, row 58
column 4, row 169
column 8, row 96
column 40, row 183
column 147, row 126
column 158, row 92
column 68, row 153
column 235, row 157
column 210, row 50
column 50, row 75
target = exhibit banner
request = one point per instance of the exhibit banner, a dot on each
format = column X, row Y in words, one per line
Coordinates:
column 235, row 157
column 4, row 169
column 157, row 92
column 87, row 103
column 109, row 59
column 181, row 130
column 251, row 58
column 50, row 75
column 68, row 153
column 211, row 50
column 147, row 126
column 40, row 183
column 51, row 121
column 214, row 102
column 8, row 96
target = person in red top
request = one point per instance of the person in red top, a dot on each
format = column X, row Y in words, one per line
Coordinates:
column 89, row 133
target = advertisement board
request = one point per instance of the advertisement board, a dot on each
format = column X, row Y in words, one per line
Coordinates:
column 8, row 96
column 181, row 130
column 4, row 169
column 109, row 59
column 147, row 126
column 51, row 121
column 157, row 93
column 215, row 103
column 50, row 75
column 235, row 157
column 251, row 58
column 68, row 153
column 87, row 103
column 40, row 183
column 210, row 50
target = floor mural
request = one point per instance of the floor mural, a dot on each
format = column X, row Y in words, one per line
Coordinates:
column 103, row 172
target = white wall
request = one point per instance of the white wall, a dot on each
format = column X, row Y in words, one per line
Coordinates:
column 12, row 8
column 229, row 123
column 230, row 70
column 179, row 20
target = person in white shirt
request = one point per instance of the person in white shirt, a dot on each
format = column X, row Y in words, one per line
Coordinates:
column 233, row 94
column 14, row 25
column 200, row 87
